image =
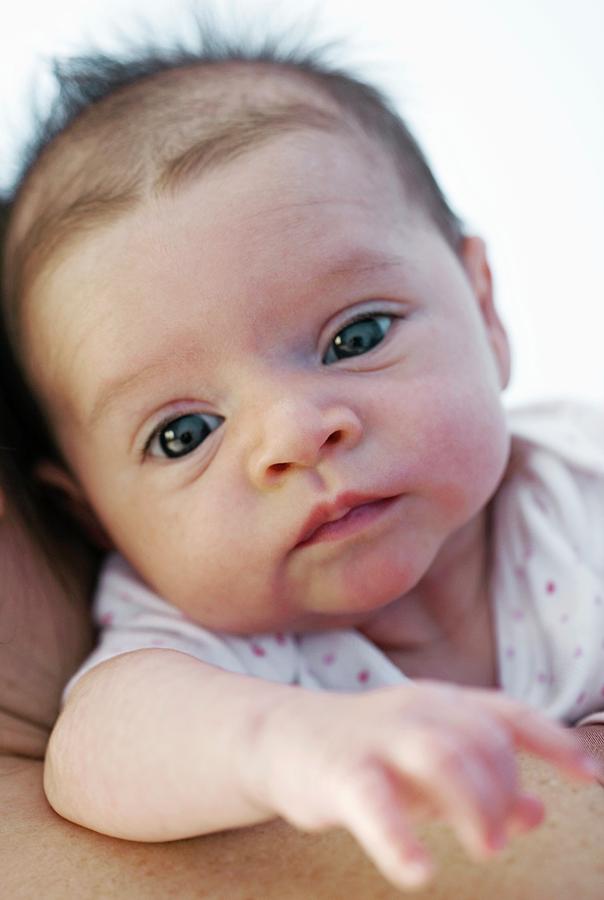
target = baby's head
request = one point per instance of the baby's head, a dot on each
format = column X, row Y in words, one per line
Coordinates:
column 245, row 308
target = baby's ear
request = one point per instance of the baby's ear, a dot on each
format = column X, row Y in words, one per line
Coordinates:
column 476, row 263
column 69, row 496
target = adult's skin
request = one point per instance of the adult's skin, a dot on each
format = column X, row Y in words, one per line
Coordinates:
column 45, row 632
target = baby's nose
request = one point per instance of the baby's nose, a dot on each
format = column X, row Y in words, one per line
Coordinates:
column 299, row 434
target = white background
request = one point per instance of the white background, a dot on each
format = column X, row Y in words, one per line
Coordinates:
column 507, row 98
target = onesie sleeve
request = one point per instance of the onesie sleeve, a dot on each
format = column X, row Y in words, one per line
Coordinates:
column 130, row 616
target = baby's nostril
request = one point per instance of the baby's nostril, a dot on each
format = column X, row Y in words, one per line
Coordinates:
column 334, row 437
column 278, row 467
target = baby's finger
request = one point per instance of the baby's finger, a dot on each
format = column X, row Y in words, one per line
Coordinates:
column 469, row 774
column 532, row 732
column 372, row 809
column 472, row 800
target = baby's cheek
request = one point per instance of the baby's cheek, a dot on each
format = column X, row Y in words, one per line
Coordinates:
column 465, row 449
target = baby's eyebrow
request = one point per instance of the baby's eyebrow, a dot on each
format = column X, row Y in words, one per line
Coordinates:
column 111, row 392
column 359, row 262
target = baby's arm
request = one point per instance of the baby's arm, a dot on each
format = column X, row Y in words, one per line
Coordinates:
column 155, row 745
column 152, row 745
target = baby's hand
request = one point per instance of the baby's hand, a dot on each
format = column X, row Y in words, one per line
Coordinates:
column 372, row 763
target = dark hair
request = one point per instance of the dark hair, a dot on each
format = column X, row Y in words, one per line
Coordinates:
column 12, row 431
column 24, row 440
column 21, row 428
column 84, row 81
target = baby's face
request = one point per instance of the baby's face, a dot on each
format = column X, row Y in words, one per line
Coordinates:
column 282, row 340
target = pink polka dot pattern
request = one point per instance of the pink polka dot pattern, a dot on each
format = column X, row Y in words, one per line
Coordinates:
column 578, row 652
column 280, row 638
column 329, row 659
column 550, row 587
column 581, row 697
column 257, row 650
column 106, row 619
column 363, row 676
column 510, row 652
column 517, row 615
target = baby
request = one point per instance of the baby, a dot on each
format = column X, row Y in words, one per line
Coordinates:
column 272, row 366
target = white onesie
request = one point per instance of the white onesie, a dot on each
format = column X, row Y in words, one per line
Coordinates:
column 547, row 588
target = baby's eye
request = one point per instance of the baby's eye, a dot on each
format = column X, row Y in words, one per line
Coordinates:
column 182, row 435
column 358, row 337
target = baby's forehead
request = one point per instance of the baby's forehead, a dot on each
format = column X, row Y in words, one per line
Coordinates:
column 152, row 136
column 148, row 139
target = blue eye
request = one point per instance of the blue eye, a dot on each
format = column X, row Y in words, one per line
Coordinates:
column 358, row 337
column 182, row 435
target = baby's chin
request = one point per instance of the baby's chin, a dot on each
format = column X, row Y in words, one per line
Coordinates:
column 340, row 597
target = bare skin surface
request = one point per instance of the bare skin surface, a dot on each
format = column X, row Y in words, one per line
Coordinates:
column 44, row 634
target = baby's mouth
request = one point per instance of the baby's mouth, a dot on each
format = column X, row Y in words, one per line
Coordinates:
column 342, row 518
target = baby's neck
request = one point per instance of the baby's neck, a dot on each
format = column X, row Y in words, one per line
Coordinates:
column 443, row 627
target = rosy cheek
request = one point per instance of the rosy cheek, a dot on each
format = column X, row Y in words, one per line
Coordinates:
column 465, row 451
column 453, row 497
